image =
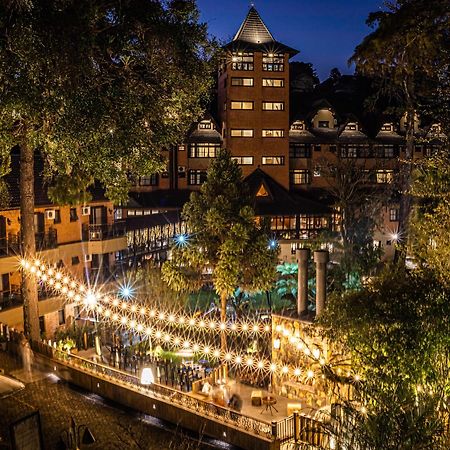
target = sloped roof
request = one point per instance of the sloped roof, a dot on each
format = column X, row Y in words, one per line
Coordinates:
column 253, row 34
column 162, row 198
column 279, row 201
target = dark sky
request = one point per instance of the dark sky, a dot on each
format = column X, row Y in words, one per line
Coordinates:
column 325, row 31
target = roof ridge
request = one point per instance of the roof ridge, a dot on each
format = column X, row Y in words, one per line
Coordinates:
column 253, row 29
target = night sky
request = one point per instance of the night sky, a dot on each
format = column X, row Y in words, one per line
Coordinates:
column 325, row 31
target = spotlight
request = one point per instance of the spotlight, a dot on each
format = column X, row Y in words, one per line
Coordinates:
column 181, row 240
column 126, row 292
column 273, row 244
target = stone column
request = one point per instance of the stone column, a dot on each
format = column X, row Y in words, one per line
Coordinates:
column 302, row 255
column 321, row 259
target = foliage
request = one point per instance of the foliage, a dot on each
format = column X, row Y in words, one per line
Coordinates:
column 359, row 202
column 287, row 282
column 224, row 238
column 396, row 332
column 100, row 87
column 430, row 230
column 408, row 55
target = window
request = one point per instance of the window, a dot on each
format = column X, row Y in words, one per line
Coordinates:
column 386, row 127
column 298, row 126
column 384, row 176
column 317, row 148
column 203, row 150
column 273, row 106
column 273, row 82
column 241, row 133
column 240, row 81
column 273, row 160
column 242, row 105
column 273, row 133
column 131, row 212
column 384, row 151
column 324, row 124
column 118, row 214
column 150, row 180
column 349, row 151
column 243, row 160
column 273, row 62
column 61, row 317
column 300, row 151
column 242, row 61
column 181, row 148
column 75, row 260
column 196, row 177
column 73, row 214
column 42, row 324
column 205, row 125
column 316, row 172
column 351, row 127
column 394, row 214
column 57, row 216
column 301, row 176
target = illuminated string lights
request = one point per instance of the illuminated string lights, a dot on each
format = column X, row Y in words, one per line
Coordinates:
column 62, row 283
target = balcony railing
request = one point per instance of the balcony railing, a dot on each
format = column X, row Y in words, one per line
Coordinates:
column 102, row 232
column 11, row 244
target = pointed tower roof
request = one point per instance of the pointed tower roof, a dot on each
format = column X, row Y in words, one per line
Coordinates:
column 254, row 35
column 253, row 29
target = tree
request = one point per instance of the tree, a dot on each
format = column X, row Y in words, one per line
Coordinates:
column 396, row 333
column 98, row 88
column 224, row 239
column 404, row 54
column 359, row 201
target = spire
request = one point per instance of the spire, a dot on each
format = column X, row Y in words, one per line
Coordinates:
column 253, row 29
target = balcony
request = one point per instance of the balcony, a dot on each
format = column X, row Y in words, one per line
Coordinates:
column 11, row 245
column 103, row 232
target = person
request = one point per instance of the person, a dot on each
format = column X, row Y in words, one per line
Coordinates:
column 206, row 388
column 235, row 402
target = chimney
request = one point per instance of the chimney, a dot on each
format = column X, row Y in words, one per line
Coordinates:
column 321, row 259
column 302, row 255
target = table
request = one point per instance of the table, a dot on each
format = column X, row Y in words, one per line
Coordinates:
column 269, row 402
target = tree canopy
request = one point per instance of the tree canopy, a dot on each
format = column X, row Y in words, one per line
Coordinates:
column 100, row 87
column 224, row 238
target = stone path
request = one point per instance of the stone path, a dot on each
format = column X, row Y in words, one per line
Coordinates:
column 112, row 426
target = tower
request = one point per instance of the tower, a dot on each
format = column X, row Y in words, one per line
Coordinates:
column 253, row 99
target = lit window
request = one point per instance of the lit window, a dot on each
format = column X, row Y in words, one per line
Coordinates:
column 273, row 62
column 273, row 160
column 273, row 106
column 300, row 176
column 273, row 133
column 243, row 160
column 203, row 150
column 240, row 81
column 242, row 61
column 384, row 176
column 324, row 124
column 386, row 127
column 241, row 133
column 394, row 214
column 242, row 105
column 297, row 126
column 273, row 82
column 181, row 148
column 351, row 127
column 205, row 125
column 349, row 151
column 197, row 177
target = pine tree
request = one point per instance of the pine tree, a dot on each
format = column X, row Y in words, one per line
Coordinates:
column 224, row 239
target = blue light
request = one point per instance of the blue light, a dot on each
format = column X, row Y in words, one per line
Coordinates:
column 273, row 244
column 181, row 240
column 126, row 292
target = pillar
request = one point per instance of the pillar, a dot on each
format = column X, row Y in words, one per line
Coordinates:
column 321, row 259
column 302, row 255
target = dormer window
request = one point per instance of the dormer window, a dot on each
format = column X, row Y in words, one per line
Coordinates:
column 351, row 127
column 435, row 128
column 298, row 126
column 324, row 124
column 205, row 125
column 387, row 127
